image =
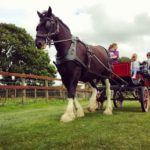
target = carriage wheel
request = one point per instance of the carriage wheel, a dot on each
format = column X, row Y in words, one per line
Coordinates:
column 118, row 99
column 145, row 96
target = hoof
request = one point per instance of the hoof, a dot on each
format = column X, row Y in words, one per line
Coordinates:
column 108, row 112
column 92, row 109
column 88, row 109
column 67, row 118
column 80, row 113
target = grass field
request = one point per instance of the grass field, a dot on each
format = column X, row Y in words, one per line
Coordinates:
column 36, row 126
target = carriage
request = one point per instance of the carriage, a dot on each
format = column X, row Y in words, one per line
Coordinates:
column 125, row 88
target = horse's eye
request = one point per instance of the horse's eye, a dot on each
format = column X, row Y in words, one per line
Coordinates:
column 47, row 25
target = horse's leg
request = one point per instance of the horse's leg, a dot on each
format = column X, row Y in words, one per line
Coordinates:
column 71, row 93
column 79, row 109
column 93, row 103
column 74, row 108
column 108, row 109
column 70, row 113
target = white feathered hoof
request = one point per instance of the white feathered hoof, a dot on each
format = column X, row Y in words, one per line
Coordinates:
column 108, row 111
column 80, row 113
column 88, row 109
column 67, row 117
column 93, row 108
column 79, row 109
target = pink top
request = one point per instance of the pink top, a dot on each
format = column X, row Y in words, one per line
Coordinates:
column 114, row 55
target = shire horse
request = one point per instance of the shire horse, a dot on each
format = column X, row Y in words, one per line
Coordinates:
column 75, row 61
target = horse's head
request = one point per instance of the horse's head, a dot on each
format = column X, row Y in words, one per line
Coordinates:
column 46, row 29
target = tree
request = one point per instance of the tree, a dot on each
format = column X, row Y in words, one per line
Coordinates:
column 19, row 54
column 124, row 59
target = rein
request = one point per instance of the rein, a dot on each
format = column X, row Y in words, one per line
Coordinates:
column 100, row 62
column 109, row 70
column 60, row 41
column 55, row 23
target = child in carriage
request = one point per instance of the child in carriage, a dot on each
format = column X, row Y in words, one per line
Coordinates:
column 114, row 53
column 146, row 65
column 148, row 62
column 135, row 66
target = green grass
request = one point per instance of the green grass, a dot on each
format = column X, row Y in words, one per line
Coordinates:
column 36, row 126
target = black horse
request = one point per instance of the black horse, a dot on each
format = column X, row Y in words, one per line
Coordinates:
column 75, row 61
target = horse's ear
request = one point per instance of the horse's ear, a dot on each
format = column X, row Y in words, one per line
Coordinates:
column 49, row 12
column 39, row 14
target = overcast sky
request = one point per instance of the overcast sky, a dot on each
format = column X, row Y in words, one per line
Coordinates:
column 126, row 22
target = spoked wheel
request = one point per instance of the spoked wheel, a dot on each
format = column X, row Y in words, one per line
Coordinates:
column 118, row 99
column 145, row 96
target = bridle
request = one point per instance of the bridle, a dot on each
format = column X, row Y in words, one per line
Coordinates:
column 48, row 36
column 54, row 23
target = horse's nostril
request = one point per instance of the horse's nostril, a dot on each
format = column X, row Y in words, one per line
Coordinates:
column 39, row 44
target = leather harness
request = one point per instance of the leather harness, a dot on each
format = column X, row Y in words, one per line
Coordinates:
column 72, row 56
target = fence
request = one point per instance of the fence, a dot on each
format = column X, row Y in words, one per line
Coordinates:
column 33, row 86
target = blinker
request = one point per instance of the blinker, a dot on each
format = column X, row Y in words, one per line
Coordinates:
column 47, row 25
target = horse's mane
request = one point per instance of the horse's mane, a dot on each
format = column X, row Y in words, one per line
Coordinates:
column 44, row 13
column 63, row 23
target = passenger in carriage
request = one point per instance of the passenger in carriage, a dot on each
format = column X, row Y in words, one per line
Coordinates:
column 135, row 66
column 148, row 62
column 114, row 53
column 146, row 65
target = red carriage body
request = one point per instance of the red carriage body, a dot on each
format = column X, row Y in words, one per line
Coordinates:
column 123, row 85
column 123, row 70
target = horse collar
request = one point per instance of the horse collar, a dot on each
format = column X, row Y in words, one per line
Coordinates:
column 72, row 50
column 71, row 54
